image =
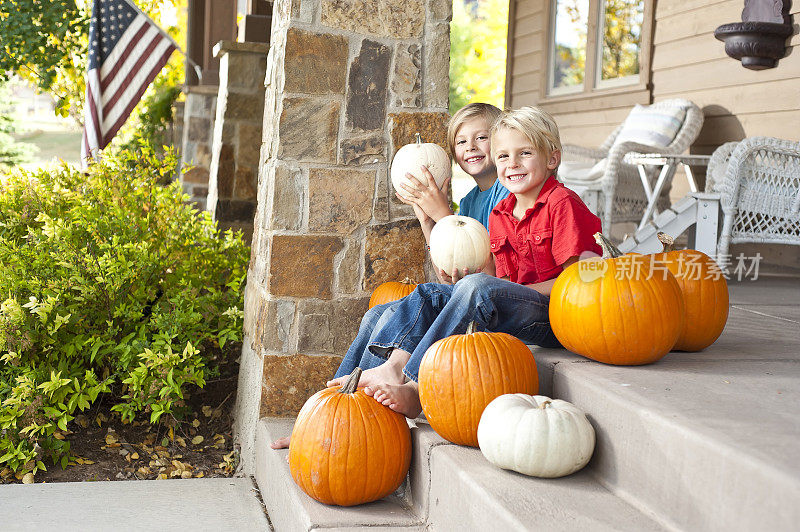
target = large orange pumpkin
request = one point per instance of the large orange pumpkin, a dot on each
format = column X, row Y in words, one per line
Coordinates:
column 618, row 309
column 705, row 294
column 461, row 374
column 391, row 291
column 348, row 449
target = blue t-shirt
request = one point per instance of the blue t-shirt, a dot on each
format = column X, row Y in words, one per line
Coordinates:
column 479, row 203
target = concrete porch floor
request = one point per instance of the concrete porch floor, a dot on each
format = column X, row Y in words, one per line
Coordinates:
column 697, row 441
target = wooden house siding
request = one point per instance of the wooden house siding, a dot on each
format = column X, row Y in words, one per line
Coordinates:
column 686, row 61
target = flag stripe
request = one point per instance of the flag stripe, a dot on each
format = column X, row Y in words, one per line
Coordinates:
column 123, row 49
column 137, row 76
column 92, row 120
column 138, row 94
column 128, row 72
column 129, row 62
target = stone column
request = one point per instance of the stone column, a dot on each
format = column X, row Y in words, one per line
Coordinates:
column 198, row 128
column 233, row 181
column 347, row 84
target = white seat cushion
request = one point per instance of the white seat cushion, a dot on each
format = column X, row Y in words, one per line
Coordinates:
column 652, row 126
column 579, row 171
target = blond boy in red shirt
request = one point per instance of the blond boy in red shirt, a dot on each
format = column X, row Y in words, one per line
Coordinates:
column 538, row 230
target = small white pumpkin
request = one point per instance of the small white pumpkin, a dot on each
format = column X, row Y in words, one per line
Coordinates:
column 410, row 157
column 535, row 435
column 459, row 242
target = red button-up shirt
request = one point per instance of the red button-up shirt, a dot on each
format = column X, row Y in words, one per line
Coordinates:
column 558, row 226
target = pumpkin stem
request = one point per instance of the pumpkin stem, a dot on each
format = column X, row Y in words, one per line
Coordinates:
column 609, row 249
column 419, row 139
column 351, row 383
column 471, row 328
column 544, row 404
column 668, row 241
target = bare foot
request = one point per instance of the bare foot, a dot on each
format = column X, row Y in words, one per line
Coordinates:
column 280, row 443
column 403, row 398
column 390, row 372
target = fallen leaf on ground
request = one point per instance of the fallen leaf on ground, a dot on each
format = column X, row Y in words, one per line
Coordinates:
column 196, row 423
column 207, row 411
column 111, row 437
column 197, row 440
column 27, row 478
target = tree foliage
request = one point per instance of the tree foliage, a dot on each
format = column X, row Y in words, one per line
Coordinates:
column 478, row 38
column 46, row 42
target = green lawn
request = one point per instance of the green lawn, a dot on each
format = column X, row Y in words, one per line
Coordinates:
column 54, row 145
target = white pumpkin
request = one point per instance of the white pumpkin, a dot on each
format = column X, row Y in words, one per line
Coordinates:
column 410, row 157
column 459, row 242
column 535, row 435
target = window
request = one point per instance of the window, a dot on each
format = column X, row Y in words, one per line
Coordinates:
column 596, row 45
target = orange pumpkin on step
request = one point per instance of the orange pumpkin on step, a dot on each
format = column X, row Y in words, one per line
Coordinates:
column 618, row 309
column 461, row 374
column 346, row 448
column 391, row 291
column 705, row 294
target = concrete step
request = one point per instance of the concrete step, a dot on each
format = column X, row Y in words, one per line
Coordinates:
column 450, row 488
column 455, row 488
column 212, row 504
column 703, row 441
column 290, row 509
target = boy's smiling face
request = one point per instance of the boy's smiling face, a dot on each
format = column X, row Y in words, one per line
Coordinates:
column 520, row 167
column 473, row 148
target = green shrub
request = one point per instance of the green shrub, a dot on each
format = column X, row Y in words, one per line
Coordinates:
column 110, row 286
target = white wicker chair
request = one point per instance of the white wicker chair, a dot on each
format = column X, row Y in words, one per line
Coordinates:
column 621, row 195
column 758, row 180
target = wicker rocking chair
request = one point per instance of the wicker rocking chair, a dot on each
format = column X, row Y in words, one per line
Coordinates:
column 758, row 180
column 614, row 191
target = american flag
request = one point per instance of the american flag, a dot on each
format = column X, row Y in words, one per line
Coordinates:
column 126, row 52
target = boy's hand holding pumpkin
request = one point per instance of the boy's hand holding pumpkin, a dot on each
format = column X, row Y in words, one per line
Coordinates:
column 430, row 199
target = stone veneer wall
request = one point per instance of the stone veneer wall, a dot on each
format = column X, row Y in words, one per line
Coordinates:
column 233, row 180
column 198, row 129
column 347, row 84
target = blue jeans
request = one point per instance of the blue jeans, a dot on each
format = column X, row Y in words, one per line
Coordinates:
column 359, row 355
column 434, row 311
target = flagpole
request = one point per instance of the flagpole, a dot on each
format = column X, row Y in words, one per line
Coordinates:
column 197, row 69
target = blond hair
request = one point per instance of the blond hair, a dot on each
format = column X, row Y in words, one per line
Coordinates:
column 536, row 124
column 487, row 111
